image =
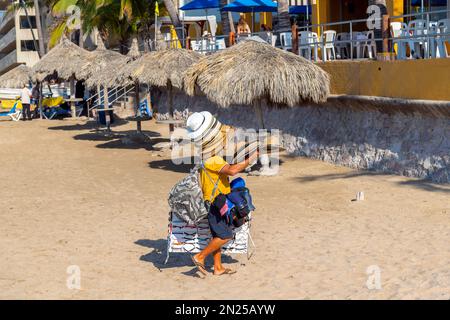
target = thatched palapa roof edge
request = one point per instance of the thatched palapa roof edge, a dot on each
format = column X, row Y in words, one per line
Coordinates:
column 251, row 71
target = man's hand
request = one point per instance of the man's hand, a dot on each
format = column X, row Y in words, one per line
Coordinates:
column 234, row 169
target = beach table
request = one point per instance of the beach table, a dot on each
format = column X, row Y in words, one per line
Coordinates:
column 185, row 238
column 72, row 102
column 138, row 120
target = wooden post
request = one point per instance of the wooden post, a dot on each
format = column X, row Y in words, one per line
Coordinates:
column 106, row 106
column 137, row 104
column 259, row 113
column 232, row 38
column 294, row 39
column 40, row 100
column 170, row 104
column 72, row 96
column 385, row 30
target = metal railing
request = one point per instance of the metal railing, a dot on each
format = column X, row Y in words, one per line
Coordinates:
column 114, row 95
column 209, row 43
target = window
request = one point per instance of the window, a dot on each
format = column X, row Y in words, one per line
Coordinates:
column 24, row 22
column 28, row 45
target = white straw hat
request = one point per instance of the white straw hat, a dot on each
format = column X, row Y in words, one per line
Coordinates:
column 198, row 123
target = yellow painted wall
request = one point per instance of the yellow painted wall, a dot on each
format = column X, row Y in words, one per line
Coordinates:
column 265, row 18
column 321, row 10
column 409, row 79
column 395, row 8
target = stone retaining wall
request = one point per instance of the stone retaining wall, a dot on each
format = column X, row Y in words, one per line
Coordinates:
column 405, row 140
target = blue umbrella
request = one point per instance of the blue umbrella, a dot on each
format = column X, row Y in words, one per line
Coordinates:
column 300, row 9
column 251, row 6
column 200, row 4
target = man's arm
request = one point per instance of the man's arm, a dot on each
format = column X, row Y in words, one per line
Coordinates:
column 234, row 169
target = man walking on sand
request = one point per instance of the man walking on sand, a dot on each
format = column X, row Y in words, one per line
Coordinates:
column 214, row 180
column 25, row 97
column 218, row 170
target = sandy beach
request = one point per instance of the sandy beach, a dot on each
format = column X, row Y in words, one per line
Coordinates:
column 74, row 197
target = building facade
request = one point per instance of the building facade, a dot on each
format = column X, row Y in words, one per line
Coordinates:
column 16, row 39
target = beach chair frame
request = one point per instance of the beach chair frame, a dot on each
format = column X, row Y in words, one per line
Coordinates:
column 194, row 244
column 15, row 114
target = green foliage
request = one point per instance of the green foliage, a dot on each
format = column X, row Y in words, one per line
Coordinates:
column 122, row 18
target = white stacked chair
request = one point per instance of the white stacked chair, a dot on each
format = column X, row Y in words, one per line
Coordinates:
column 327, row 45
column 370, row 47
column 286, row 40
column 443, row 27
column 307, row 41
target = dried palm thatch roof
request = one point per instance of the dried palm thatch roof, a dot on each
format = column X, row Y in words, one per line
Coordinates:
column 66, row 60
column 161, row 68
column 108, row 76
column 103, row 65
column 134, row 52
column 251, row 71
column 16, row 78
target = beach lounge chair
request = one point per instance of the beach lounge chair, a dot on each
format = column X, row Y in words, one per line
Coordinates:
column 14, row 113
column 185, row 238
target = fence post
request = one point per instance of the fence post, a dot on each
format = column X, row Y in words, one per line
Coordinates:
column 294, row 39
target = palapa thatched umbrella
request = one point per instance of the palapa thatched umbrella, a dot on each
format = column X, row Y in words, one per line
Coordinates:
column 109, row 72
column 100, row 67
column 163, row 68
column 251, row 71
column 67, row 61
column 16, row 78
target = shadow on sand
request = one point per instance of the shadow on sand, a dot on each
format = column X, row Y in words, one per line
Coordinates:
column 121, row 140
column 423, row 184
column 89, row 125
column 167, row 164
column 177, row 260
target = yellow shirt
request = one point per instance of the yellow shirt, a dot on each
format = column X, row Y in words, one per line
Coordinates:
column 213, row 166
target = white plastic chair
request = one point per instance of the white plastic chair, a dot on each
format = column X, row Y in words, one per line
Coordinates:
column 399, row 30
column 343, row 45
column 274, row 40
column 418, row 30
column 443, row 26
column 220, row 44
column 370, row 46
column 307, row 41
column 286, row 40
column 327, row 45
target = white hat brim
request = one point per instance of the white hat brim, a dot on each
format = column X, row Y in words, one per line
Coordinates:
column 207, row 123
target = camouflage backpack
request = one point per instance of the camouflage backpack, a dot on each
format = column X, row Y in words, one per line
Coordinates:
column 186, row 198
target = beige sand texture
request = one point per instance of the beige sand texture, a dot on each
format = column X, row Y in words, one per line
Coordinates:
column 72, row 197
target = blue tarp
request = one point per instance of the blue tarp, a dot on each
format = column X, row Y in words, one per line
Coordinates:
column 434, row 3
column 200, row 4
column 251, row 6
column 300, row 9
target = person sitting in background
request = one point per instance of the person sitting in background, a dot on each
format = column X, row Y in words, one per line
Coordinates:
column 266, row 33
column 243, row 27
column 265, row 28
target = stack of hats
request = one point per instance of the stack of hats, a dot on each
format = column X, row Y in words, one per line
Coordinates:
column 214, row 138
column 205, row 131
